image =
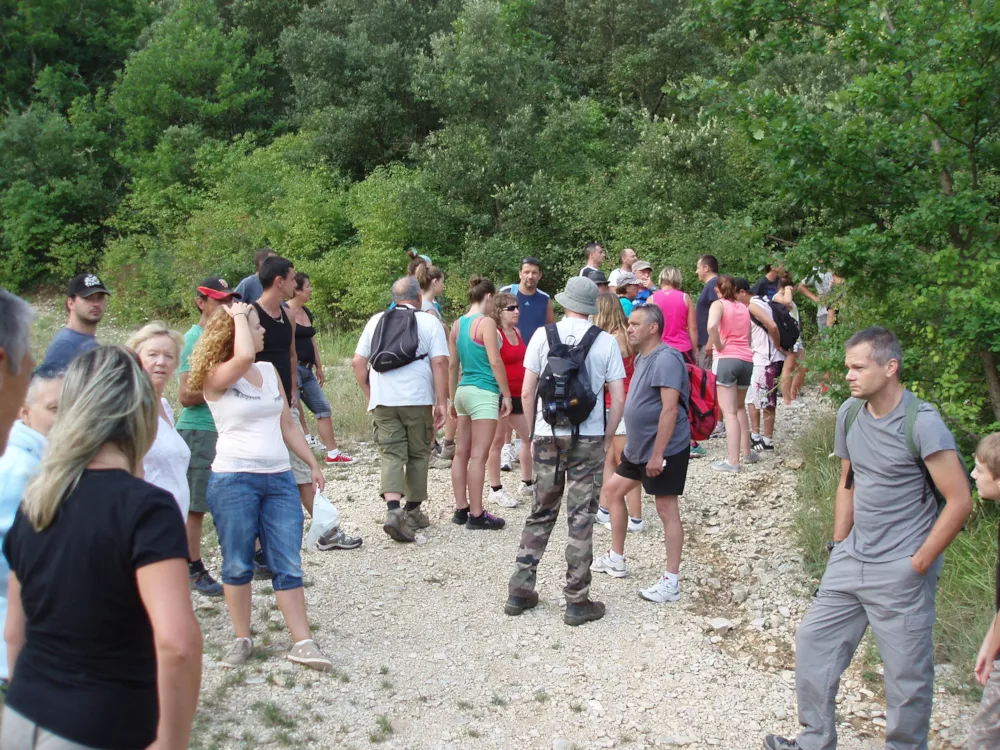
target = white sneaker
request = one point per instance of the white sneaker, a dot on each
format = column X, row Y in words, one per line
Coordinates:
column 501, row 498
column 662, row 591
column 604, row 564
column 602, row 516
column 636, row 526
column 515, row 454
column 527, row 490
column 314, row 442
column 505, row 458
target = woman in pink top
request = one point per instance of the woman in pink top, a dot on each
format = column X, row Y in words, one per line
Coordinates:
column 680, row 327
column 729, row 335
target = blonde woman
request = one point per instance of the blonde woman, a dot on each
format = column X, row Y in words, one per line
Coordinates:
column 252, row 491
column 104, row 648
column 166, row 463
column 611, row 318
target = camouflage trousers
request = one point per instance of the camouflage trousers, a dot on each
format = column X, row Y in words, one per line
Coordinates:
column 984, row 734
column 557, row 461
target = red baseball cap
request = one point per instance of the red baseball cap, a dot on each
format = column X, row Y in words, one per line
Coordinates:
column 217, row 288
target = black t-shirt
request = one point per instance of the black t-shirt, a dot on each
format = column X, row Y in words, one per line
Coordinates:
column 304, row 341
column 277, row 346
column 87, row 671
column 705, row 299
column 766, row 288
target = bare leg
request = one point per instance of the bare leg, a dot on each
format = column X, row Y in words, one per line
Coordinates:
column 618, row 487
column 788, row 374
column 483, row 432
column 493, row 462
column 292, row 603
column 306, row 495
column 450, row 428
column 754, row 418
column 768, row 423
column 741, row 415
column 325, row 426
column 800, row 376
column 728, row 397
column 460, row 465
column 302, row 415
column 238, row 604
column 520, row 426
column 673, row 531
column 195, row 521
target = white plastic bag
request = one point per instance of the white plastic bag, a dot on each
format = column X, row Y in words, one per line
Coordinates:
column 325, row 517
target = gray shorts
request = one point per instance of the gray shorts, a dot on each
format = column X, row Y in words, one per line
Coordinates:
column 730, row 372
column 301, row 470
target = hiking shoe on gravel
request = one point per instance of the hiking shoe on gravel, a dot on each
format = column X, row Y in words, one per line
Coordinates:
column 756, row 444
column 307, row 654
column 447, row 451
column 398, row 526
column 518, row 605
column 260, row 570
column 337, row 539
column 238, row 653
column 501, row 498
column 439, row 463
column 662, row 591
column 604, row 564
column 417, row 518
column 767, row 446
column 460, row 517
column 487, row 522
column 698, row 452
column 578, row 614
column 313, row 442
column 505, row 458
column 204, row 584
column 726, row 466
column 774, row 742
column 526, row 490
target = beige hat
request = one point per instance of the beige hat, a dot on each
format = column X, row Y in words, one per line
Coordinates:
column 641, row 265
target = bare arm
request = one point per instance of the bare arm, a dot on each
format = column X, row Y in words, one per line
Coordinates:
column 491, row 340
column 453, row 363
column 184, row 396
column 714, row 320
column 13, row 630
column 949, row 477
column 550, row 314
column 772, row 328
column 165, row 593
column 692, row 323
column 843, row 506
column 439, row 369
column 669, row 398
column 320, row 376
column 807, row 292
column 989, row 651
column 360, row 366
column 617, row 390
column 226, row 373
column 529, row 388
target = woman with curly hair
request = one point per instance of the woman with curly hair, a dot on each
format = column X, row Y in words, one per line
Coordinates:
column 252, row 491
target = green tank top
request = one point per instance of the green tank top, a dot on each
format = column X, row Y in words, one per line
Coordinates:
column 476, row 370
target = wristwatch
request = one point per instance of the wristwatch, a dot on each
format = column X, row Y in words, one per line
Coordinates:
column 830, row 545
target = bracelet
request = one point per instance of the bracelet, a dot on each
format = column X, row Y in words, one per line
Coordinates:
column 246, row 315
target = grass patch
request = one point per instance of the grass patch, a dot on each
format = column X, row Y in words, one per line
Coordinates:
column 383, row 670
column 387, row 685
column 473, row 732
column 541, row 697
column 576, row 708
column 464, row 705
column 271, row 715
column 498, row 700
column 383, row 730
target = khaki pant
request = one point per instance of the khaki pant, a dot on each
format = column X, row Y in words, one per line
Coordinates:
column 405, row 436
column 19, row 733
column 984, row 734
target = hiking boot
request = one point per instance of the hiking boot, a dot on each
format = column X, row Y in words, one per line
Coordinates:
column 260, row 570
column 505, row 458
column 417, row 518
column 726, row 466
column 698, row 451
column 487, row 522
column 398, row 526
column 719, row 431
column 238, row 653
column 439, row 463
column 308, row 654
column 501, row 498
column 604, row 564
column 204, row 584
column 587, row 611
column 774, row 742
column 460, row 517
column 447, row 451
column 518, row 605
column 337, row 539
column 662, row 591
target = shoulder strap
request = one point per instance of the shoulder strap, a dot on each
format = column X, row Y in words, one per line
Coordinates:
column 552, row 333
column 588, row 339
column 852, row 416
column 912, row 409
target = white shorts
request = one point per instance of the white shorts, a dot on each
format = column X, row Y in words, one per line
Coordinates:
column 620, row 429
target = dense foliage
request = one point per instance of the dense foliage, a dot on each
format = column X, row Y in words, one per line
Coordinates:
column 169, row 140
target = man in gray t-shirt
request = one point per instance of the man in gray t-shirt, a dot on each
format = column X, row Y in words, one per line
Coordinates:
column 657, row 449
column 886, row 553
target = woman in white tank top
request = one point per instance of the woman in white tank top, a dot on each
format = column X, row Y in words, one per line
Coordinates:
column 252, row 492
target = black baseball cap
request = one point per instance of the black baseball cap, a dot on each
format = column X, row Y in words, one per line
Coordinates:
column 740, row 284
column 85, row 285
column 217, row 288
column 598, row 278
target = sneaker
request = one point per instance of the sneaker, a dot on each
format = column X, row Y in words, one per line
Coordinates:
column 796, row 404
column 719, row 431
column 398, row 526
column 774, row 742
column 308, row 654
column 204, row 584
column 518, row 605
column 487, row 521
column 526, row 490
column 726, row 466
column 460, row 517
column 505, row 458
column 767, row 446
column 437, row 462
column 501, row 498
column 314, row 442
column 238, row 653
column 417, row 518
column 448, row 450
column 260, row 570
column 662, row 591
column 602, row 516
column 340, row 458
column 636, row 526
column 515, row 457
column 698, row 452
column 337, row 539
column 587, row 611
column 756, row 444
column 753, row 458
column 604, row 564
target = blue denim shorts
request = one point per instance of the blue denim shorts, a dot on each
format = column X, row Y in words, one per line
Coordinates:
column 248, row 506
column 311, row 393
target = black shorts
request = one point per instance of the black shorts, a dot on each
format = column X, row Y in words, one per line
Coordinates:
column 670, row 481
column 515, row 405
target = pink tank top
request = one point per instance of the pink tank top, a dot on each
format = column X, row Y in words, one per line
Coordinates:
column 675, row 318
column 734, row 330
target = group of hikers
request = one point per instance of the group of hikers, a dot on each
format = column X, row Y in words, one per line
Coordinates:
column 103, row 493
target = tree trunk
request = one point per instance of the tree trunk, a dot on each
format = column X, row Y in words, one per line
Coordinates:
column 992, row 380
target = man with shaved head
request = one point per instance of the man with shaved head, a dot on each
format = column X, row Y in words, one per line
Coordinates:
column 406, row 386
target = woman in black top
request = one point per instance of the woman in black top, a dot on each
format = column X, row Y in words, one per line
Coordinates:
column 103, row 645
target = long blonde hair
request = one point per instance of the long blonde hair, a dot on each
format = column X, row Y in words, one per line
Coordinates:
column 106, row 398
column 214, row 347
column 611, row 318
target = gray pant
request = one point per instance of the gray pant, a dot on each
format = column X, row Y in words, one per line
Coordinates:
column 898, row 603
column 17, row 733
column 984, row 734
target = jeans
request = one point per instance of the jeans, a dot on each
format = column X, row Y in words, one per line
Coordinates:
column 248, row 506
column 312, row 394
column 404, row 435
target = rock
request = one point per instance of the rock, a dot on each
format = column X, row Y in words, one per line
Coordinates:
column 561, row 743
column 720, row 625
column 776, row 621
column 714, row 583
column 739, row 594
column 678, row 741
column 794, row 463
column 784, row 612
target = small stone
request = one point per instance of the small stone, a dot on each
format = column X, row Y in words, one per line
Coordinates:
column 879, row 721
column 561, row 743
column 720, row 625
column 739, row 594
column 784, row 611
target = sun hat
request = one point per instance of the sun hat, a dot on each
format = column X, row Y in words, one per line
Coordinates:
column 580, row 296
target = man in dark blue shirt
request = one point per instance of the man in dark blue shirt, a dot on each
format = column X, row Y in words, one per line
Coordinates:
column 86, row 301
column 535, row 306
column 768, row 285
column 708, row 274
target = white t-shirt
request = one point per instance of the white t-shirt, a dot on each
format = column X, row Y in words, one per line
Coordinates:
column 824, row 283
column 764, row 350
column 412, row 384
column 615, row 275
column 604, row 365
column 166, row 464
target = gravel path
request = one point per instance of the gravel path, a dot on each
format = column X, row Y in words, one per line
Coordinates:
column 427, row 659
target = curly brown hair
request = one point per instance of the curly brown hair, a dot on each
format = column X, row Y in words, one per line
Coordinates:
column 500, row 301
column 214, row 347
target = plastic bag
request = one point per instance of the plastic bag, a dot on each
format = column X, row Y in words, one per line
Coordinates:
column 325, row 517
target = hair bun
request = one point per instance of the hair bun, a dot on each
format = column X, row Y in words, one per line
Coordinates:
column 475, row 281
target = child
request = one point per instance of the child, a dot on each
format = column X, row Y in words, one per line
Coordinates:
column 985, row 731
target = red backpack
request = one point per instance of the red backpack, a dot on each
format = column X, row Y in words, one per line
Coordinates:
column 703, row 409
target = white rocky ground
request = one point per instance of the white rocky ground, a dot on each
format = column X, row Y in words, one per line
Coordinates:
column 427, row 658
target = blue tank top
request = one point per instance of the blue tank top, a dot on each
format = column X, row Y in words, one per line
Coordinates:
column 533, row 308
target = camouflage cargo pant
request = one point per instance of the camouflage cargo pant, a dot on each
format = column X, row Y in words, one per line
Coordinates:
column 555, row 462
column 984, row 734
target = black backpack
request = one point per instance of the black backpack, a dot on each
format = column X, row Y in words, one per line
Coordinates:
column 395, row 340
column 788, row 329
column 564, row 386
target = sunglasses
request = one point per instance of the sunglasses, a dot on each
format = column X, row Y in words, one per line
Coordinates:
column 510, row 308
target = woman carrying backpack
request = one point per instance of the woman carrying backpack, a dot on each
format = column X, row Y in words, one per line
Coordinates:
column 480, row 398
column 729, row 335
column 793, row 375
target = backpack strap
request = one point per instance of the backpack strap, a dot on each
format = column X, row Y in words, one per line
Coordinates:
column 849, row 420
column 552, row 333
column 912, row 409
column 588, row 339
